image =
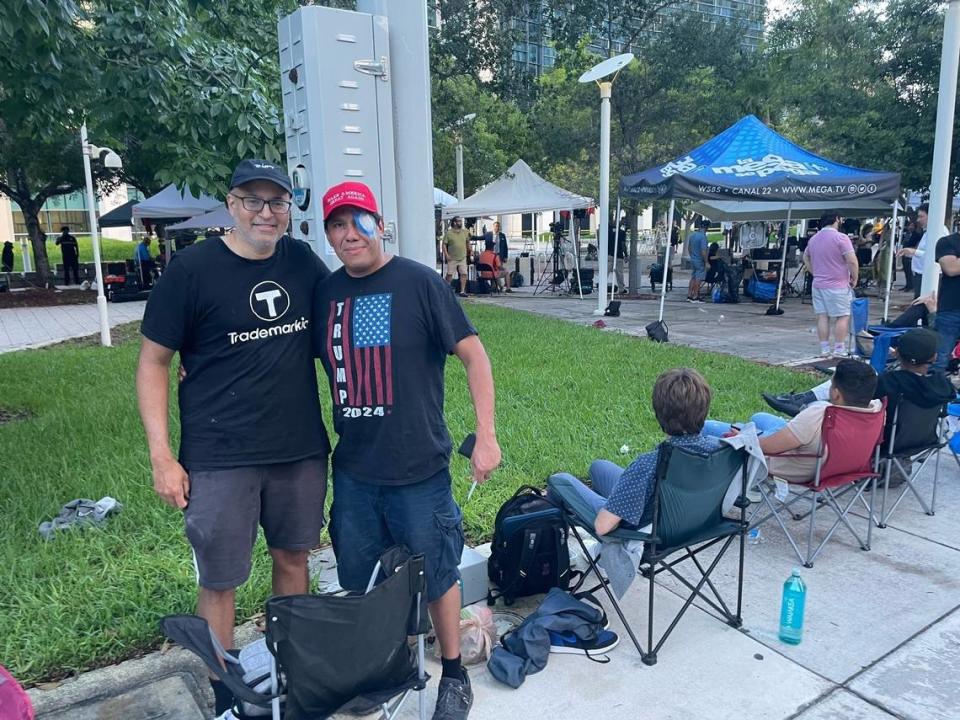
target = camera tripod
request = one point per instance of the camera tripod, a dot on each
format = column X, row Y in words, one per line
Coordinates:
column 554, row 275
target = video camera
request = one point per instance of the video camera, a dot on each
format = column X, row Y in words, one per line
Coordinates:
column 557, row 229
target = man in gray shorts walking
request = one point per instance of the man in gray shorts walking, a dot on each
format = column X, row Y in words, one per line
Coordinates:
column 253, row 447
column 831, row 260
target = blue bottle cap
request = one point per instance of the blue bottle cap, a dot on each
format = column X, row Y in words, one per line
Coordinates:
column 795, row 572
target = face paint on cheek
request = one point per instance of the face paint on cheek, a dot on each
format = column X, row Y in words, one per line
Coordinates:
column 366, row 224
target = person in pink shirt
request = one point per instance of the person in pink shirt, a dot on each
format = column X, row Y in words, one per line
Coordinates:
column 831, row 260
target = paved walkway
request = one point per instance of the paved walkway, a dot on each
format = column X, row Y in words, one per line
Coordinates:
column 744, row 330
column 881, row 642
column 882, row 637
column 22, row 328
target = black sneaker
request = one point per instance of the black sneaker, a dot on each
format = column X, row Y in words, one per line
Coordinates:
column 568, row 642
column 454, row 698
column 788, row 403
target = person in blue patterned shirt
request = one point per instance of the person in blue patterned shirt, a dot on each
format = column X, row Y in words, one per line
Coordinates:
column 681, row 400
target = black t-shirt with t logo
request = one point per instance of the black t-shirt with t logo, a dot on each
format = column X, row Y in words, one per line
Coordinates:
column 243, row 330
column 384, row 340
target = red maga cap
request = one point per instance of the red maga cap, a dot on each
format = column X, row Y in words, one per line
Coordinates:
column 355, row 194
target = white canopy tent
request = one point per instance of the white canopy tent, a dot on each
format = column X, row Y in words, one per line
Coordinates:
column 441, row 198
column 520, row 191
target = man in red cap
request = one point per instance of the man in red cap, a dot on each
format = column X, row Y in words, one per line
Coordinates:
column 385, row 326
column 253, row 447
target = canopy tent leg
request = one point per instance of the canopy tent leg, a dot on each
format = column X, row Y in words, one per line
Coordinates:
column 616, row 238
column 775, row 310
column 666, row 260
column 890, row 254
column 576, row 252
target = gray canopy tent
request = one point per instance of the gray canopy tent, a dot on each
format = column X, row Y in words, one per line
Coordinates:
column 749, row 167
column 173, row 204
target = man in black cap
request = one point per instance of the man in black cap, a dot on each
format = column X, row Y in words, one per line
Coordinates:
column 253, row 447
column 916, row 350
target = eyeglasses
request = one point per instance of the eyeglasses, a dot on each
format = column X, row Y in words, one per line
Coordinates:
column 254, row 204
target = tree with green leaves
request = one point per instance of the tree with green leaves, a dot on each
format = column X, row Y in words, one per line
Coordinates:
column 858, row 82
column 182, row 89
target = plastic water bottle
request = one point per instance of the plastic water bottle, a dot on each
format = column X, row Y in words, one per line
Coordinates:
column 791, row 609
column 754, row 537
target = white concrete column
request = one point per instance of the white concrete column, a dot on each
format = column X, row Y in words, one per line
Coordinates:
column 943, row 142
column 412, row 123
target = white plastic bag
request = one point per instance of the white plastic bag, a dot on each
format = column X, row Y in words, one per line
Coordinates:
column 478, row 635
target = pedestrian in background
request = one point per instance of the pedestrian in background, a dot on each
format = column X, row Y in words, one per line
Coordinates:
column 70, row 253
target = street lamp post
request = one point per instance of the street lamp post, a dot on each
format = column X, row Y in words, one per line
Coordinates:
column 608, row 67
column 942, row 143
column 112, row 160
column 459, row 125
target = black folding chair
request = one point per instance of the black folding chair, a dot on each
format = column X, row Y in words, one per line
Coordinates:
column 688, row 518
column 915, row 435
column 487, row 282
column 329, row 651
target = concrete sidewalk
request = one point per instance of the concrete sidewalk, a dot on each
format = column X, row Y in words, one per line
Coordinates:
column 881, row 641
column 743, row 330
column 23, row 328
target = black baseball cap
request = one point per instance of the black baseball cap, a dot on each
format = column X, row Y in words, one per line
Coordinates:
column 250, row 170
column 918, row 346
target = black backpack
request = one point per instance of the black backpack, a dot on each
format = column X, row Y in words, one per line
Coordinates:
column 529, row 552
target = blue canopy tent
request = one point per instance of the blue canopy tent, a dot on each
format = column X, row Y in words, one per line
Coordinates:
column 749, row 163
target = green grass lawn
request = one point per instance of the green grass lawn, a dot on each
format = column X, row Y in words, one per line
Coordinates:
column 565, row 395
column 111, row 250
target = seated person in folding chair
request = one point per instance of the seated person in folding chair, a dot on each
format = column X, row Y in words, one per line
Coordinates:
column 681, row 400
column 853, row 386
column 498, row 273
column 914, row 380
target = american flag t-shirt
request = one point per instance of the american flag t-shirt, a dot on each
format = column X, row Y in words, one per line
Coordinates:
column 358, row 345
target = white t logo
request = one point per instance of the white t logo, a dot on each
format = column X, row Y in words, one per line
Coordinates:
column 269, row 296
column 269, row 301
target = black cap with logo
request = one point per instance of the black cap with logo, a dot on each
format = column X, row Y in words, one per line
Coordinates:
column 250, row 170
column 918, row 346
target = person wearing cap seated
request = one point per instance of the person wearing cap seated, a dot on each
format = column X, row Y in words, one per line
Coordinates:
column 385, row 327
column 498, row 273
column 253, row 448
column 916, row 350
column 791, row 446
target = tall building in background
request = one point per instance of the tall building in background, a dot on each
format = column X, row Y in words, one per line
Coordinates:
column 533, row 50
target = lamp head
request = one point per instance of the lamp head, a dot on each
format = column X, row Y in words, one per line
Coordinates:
column 112, row 160
column 610, row 66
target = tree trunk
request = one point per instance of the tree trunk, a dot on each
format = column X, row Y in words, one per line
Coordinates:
column 31, row 216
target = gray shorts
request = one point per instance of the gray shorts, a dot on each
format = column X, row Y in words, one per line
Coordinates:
column 832, row 302
column 226, row 506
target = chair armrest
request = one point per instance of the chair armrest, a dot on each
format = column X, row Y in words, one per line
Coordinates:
column 579, row 512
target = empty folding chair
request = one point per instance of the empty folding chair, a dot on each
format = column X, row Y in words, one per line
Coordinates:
column 328, row 651
column 916, row 435
column 688, row 518
column 847, row 460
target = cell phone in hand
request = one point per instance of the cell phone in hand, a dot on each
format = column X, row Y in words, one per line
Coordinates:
column 466, row 447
